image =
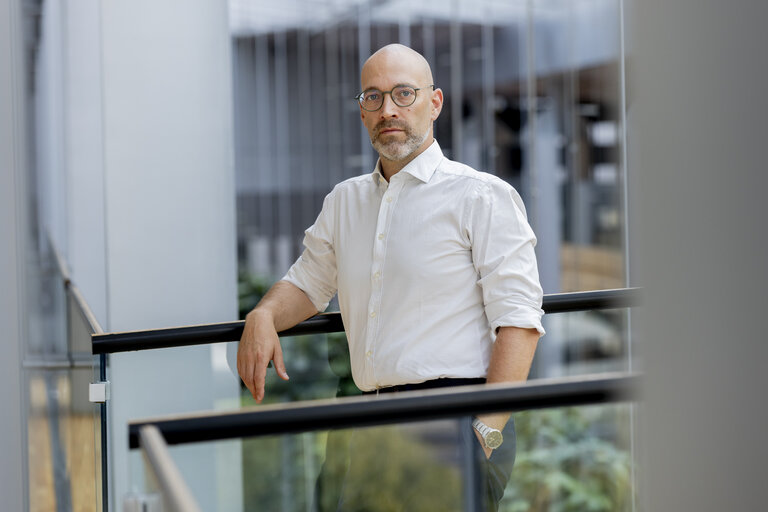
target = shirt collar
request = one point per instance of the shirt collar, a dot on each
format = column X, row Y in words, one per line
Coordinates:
column 422, row 167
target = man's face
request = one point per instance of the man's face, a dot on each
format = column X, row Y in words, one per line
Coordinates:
column 396, row 132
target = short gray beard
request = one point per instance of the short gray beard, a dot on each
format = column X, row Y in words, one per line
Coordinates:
column 398, row 151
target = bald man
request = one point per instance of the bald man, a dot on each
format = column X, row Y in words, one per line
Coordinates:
column 433, row 262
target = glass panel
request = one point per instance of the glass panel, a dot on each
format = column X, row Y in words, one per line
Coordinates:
column 63, row 438
column 583, row 342
column 532, row 94
column 576, row 458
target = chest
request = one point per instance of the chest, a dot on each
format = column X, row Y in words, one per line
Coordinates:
column 413, row 233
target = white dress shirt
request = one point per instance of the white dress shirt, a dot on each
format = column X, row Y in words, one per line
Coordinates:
column 427, row 267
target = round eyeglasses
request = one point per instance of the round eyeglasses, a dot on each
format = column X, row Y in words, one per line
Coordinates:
column 402, row 95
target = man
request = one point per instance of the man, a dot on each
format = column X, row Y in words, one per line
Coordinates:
column 433, row 261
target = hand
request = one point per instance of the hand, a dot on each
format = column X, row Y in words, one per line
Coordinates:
column 480, row 439
column 258, row 346
column 497, row 421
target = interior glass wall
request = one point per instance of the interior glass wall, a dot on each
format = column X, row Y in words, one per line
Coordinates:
column 533, row 94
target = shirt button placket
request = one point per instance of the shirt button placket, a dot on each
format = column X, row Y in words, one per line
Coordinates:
column 379, row 249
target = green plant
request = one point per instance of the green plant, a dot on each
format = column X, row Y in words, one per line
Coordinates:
column 571, row 459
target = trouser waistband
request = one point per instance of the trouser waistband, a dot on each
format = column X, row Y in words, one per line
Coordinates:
column 430, row 384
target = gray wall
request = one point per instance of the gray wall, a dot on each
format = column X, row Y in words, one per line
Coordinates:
column 12, row 151
column 697, row 117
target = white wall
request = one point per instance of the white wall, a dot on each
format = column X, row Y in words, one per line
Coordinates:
column 170, row 221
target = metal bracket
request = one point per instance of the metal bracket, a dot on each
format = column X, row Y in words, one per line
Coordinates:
column 98, row 392
column 142, row 502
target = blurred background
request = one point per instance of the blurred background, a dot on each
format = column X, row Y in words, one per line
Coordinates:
column 166, row 157
column 174, row 153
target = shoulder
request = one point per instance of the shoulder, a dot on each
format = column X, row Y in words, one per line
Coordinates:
column 353, row 184
column 478, row 183
column 481, row 189
column 350, row 186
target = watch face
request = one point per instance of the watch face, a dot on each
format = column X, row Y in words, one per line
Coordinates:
column 493, row 439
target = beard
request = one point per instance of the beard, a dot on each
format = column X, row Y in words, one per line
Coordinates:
column 396, row 150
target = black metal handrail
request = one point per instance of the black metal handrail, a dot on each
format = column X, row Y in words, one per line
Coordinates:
column 391, row 408
column 327, row 323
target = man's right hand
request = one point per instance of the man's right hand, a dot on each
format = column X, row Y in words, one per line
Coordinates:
column 258, row 346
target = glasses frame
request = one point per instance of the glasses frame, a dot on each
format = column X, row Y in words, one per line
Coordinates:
column 416, row 90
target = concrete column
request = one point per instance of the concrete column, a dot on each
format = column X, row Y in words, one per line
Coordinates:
column 697, row 113
column 169, row 222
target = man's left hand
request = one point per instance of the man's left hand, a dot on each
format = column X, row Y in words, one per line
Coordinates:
column 497, row 421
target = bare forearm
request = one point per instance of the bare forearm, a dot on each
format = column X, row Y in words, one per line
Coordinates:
column 511, row 360
column 512, row 355
column 284, row 305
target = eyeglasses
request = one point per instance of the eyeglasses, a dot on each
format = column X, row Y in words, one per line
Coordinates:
column 402, row 95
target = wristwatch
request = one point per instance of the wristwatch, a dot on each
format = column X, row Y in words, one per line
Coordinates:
column 491, row 436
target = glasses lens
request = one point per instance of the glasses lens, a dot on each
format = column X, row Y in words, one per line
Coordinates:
column 404, row 96
column 371, row 100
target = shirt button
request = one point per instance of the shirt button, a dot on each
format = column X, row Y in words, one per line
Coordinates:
column 377, row 275
column 381, row 236
column 373, row 314
column 389, row 199
column 368, row 354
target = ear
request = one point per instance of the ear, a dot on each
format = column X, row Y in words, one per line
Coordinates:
column 437, row 103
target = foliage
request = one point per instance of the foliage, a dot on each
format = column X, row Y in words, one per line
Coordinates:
column 250, row 289
column 571, row 459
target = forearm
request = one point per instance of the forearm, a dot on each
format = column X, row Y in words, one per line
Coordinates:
column 512, row 355
column 284, row 305
column 511, row 360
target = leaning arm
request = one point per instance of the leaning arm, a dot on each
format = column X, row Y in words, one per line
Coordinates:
column 511, row 360
column 284, row 306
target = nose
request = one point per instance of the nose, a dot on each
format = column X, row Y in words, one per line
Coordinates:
column 388, row 107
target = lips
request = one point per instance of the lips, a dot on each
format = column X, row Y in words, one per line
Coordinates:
column 389, row 129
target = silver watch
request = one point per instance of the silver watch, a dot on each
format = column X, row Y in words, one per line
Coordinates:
column 491, row 436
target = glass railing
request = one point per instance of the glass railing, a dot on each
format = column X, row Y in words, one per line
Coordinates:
column 570, row 449
column 67, row 427
column 316, row 354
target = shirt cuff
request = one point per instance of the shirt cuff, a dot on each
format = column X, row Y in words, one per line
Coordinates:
column 300, row 280
column 524, row 317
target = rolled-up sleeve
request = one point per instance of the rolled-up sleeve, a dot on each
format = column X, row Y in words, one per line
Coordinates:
column 315, row 271
column 503, row 254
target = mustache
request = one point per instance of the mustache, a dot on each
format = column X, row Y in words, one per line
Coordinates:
column 386, row 125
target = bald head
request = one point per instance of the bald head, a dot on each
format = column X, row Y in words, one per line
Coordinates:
column 399, row 133
column 396, row 59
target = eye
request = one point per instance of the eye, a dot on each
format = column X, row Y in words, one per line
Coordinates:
column 372, row 96
column 404, row 93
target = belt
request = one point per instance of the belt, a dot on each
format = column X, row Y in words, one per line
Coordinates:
column 430, row 384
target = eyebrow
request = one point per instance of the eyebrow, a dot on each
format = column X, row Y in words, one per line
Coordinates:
column 397, row 85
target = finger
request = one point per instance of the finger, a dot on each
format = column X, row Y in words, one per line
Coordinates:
column 259, row 377
column 279, row 363
column 248, row 379
column 243, row 370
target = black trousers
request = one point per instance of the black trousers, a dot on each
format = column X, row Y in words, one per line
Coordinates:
column 350, row 477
